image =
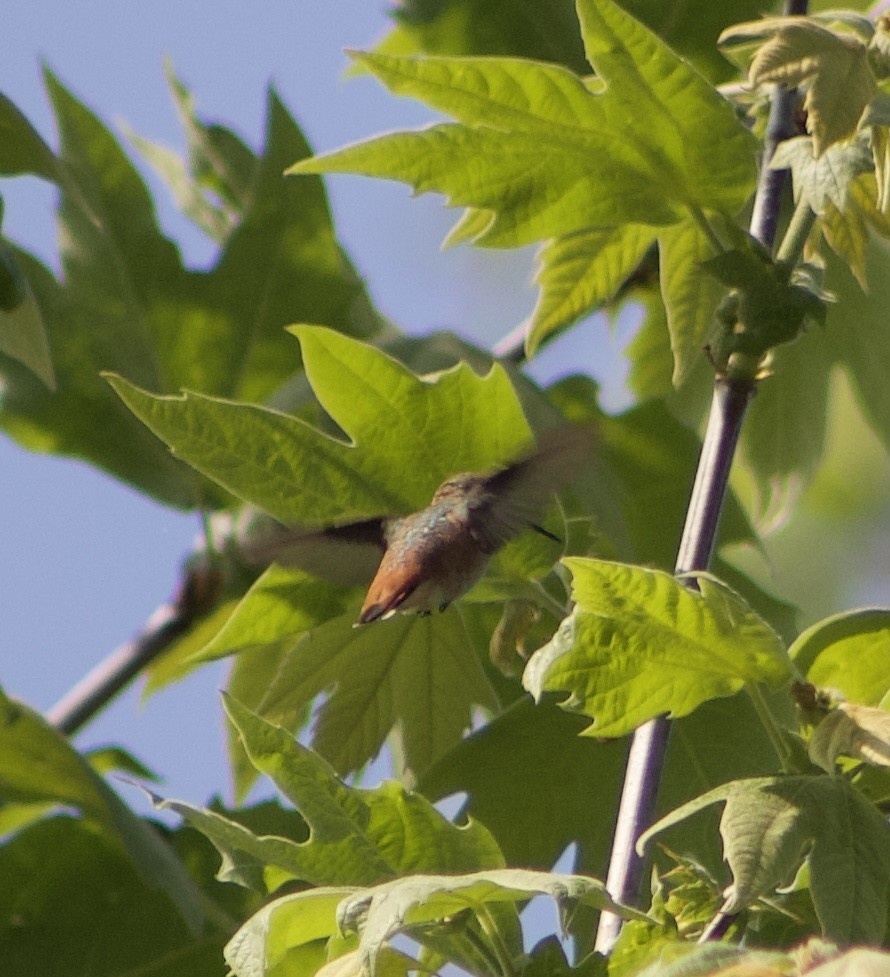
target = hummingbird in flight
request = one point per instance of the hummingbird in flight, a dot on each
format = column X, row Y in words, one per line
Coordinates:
column 427, row 559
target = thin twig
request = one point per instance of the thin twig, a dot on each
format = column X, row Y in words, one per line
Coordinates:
column 197, row 593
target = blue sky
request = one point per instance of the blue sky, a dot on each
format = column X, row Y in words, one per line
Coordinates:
column 86, row 559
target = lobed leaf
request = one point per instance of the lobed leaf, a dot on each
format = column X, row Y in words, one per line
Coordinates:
column 126, row 302
column 833, row 64
column 769, row 824
column 640, row 643
column 826, row 178
column 545, row 153
column 578, row 272
column 356, row 837
column 299, row 475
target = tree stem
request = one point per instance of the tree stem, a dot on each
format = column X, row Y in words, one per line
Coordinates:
column 728, row 408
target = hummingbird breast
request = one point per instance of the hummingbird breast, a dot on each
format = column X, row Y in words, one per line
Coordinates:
column 431, row 559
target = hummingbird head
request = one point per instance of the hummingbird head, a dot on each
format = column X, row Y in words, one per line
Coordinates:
column 460, row 487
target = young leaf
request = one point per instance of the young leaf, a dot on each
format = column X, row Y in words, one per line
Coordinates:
column 381, row 913
column 833, row 64
column 548, row 154
column 769, row 823
column 861, row 732
column 276, row 941
column 639, row 643
column 822, row 179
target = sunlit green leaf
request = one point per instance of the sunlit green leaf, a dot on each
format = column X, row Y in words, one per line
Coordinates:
column 548, row 154
column 850, row 653
column 639, row 643
column 581, row 271
column 295, row 473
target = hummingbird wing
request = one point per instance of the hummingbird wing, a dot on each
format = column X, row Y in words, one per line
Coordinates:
column 516, row 496
column 347, row 555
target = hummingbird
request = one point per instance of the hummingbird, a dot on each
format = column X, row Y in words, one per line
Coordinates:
column 427, row 559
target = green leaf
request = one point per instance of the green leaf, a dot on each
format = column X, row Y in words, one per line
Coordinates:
column 769, row 822
column 524, row 29
column 268, row 944
column 531, row 758
column 581, row 271
column 128, row 304
column 847, row 235
column 784, row 436
column 280, row 606
column 212, row 185
column 643, row 464
column 545, row 155
column 520, row 773
column 355, row 836
column 858, row 337
column 639, row 643
column 22, row 332
column 37, row 765
column 521, row 28
column 820, row 180
column 408, row 434
column 22, row 149
column 833, row 65
column 690, row 298
column 849, row 652
column 381, row 913
column 417, row 678
column 63, row 877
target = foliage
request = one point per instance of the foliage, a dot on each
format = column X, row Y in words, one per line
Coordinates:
column 269, row 394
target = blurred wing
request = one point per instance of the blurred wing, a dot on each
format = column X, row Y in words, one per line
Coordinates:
column 346, row 555
column 517, row 495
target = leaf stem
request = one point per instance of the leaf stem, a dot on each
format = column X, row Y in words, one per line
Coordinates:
column 796, row 235
column 705, row 226
column 776, row 735
column 496, row 942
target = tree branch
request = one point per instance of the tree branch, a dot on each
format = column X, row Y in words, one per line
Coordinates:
column 197, row 593
column 728, row 408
